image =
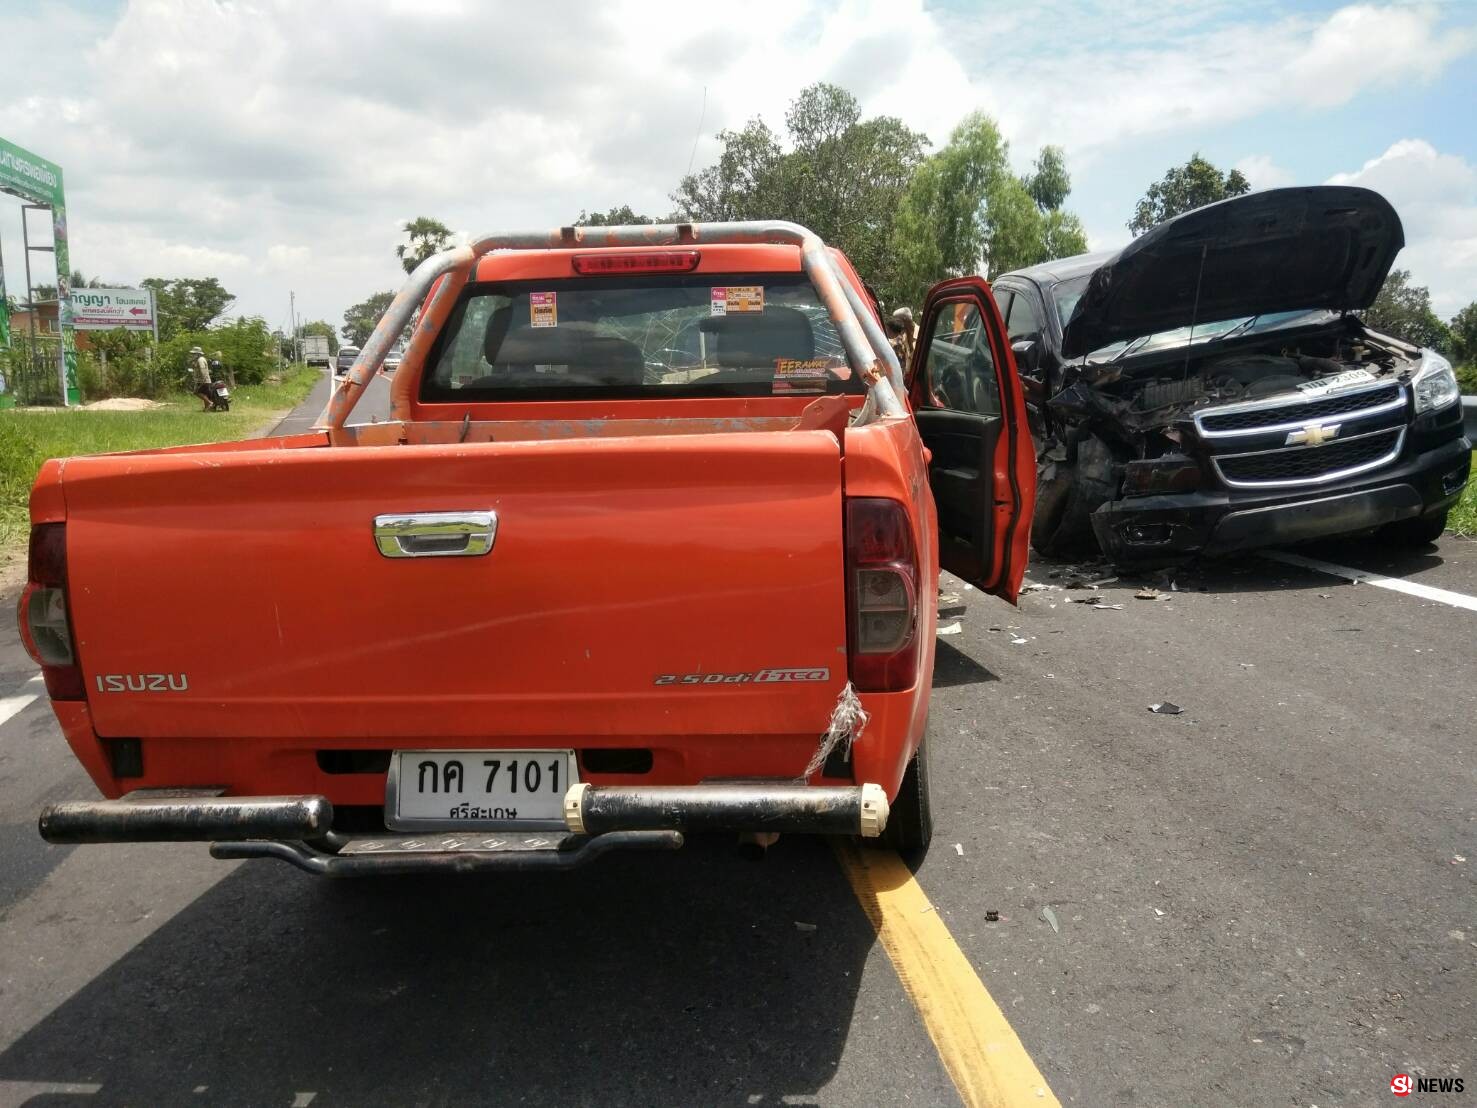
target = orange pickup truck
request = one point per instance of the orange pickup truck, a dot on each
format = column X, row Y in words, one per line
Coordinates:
column 649, row 545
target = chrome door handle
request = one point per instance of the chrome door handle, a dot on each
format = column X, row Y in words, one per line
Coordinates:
column 435, row 534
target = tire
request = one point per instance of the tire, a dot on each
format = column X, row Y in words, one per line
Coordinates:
column 1421, row 531
column 1066, row 497
column 909, row 827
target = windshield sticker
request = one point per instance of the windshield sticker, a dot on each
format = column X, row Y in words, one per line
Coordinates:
column 731, row 299
column 803, row 374
column 543, row 309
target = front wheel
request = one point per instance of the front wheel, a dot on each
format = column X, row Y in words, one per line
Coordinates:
column 1422, row 531
column 909, row 827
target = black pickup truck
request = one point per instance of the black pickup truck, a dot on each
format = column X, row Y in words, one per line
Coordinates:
column 1207, row 389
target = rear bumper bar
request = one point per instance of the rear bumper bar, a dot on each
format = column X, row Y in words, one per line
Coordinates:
column 299, row 829
column 179, row 816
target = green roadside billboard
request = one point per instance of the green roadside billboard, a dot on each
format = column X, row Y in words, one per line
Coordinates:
column 38, row 181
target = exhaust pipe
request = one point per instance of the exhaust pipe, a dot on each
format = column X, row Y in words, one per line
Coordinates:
column 769, row 809
column 166, row 816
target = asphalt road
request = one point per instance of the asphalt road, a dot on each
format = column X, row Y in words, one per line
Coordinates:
column 1267, row 899
column 373, row 406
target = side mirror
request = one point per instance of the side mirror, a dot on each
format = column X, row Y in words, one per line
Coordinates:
column 1027, row 355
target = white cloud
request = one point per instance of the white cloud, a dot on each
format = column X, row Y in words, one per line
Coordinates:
column 279, row 145
column 1435, row 195
column 1263, row 173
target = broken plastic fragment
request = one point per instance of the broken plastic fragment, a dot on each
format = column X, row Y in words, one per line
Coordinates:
column 848, row 721
column 1050, row 917
column 1166, row 709
column 807, row 927
column 951, row 629
column 959, row 849
column 1016, row 640
column 1107, row 607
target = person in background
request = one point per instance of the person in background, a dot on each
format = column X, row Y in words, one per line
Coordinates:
column 902, row 332
column 200, row 373
column 218, row 372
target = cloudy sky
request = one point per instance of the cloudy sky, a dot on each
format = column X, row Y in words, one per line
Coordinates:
column 279, row 145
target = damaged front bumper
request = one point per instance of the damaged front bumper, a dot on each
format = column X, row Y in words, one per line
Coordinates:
column 1164, row 529
column 299, row 829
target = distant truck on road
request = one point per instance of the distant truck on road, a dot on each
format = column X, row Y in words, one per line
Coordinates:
column 315, row 350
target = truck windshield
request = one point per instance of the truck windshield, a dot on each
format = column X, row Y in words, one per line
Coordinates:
column 694, row 335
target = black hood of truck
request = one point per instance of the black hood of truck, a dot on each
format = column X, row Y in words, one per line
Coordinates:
column 1328, row 246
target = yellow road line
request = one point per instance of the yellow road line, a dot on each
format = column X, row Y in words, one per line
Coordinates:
column 979, row 1048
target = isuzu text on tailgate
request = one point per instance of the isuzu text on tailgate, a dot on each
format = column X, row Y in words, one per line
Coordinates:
column 595, row 433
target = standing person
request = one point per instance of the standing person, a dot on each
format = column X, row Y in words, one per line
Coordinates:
column 904, row 332
column 200, row 373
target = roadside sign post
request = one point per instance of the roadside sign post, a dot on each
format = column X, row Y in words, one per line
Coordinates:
column 38, row 181
column 108, row 309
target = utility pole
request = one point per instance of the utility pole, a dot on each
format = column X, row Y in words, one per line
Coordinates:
column 297, row 347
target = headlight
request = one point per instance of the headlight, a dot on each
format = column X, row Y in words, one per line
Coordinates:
column 1435, row 383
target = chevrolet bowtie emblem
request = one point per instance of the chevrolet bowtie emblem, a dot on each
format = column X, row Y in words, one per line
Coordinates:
column 1314, row 434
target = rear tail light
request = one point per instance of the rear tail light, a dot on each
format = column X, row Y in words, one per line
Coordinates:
column 882, row 588
column 46, row 630
column 662, row 261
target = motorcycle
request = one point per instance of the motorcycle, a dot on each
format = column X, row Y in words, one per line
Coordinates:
column 217, row 394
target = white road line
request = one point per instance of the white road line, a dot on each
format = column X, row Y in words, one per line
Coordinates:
column 12, row 706
column 1363, row 577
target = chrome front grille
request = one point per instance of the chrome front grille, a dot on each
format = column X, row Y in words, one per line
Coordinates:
column 1288, row 442
column 1254, row 418
column 1308, row 465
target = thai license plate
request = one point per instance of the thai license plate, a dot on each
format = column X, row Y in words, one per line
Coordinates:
column 1337, row 381
column 430, row 789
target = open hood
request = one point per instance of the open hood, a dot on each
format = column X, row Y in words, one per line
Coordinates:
column 1328, row 246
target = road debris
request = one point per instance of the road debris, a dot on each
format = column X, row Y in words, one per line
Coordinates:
column 1107, row 607
column 992, row 916
column 807, row 928
column 1050, row 917
column 951, row 629
column 1036, row 586
column 1150, row 594
column 1166, row 709
column 959, row 849
column 1017, row 640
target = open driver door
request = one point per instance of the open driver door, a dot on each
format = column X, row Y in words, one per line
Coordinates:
column 971, row 414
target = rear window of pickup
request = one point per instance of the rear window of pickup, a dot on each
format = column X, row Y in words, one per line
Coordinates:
column 688, row 335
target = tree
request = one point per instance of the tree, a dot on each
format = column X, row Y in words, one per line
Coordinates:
column 426, row 237
column 744, row 184
column 187, row 303
column 1185, row 187
column 623, row 216
column 842, row 176
column 359, row 320
column 1404, row 310
column 319, row 327
column 964, row 210
column 1050, row 184
column 1463, row 331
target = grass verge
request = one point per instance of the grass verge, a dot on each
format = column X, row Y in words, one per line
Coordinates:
column 29, row 438
column 1463, row 518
